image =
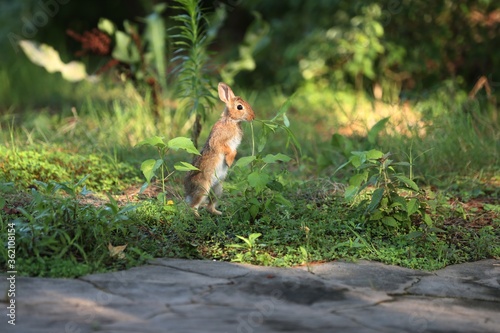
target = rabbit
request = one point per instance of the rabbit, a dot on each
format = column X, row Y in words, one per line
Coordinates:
column 218, row 153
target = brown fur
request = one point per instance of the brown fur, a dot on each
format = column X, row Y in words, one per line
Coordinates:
column 218, row 153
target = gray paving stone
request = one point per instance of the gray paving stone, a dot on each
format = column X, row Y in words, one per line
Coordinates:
column 372, row 275
column 219, row 269
column 206, row 296
column 475, row 281
column 155, row 274
column 418, row 314
column 154, row 283
column 212, row 318
column 62, row 304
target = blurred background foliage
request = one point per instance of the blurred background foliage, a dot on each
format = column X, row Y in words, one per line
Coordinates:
column 404, row 46
column 348, row 64
column 415, row 44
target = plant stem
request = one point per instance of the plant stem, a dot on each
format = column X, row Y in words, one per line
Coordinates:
column 253, row 140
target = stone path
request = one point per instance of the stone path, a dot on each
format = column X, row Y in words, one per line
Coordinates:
column 171, row 295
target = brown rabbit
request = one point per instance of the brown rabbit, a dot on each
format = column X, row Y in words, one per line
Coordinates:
column 218, row 154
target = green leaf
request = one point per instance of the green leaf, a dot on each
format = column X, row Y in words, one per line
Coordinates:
column 374, row 154
column 274, row 158
column 398, row 200
column 342, row 166
column 286, row 122
column 106, row 26
column 434, row 229
column 358, row 179
column 428, row 220
column 378, row 28
column 350, row 192
column 81, row 181
column 155, row 141
column 415, row 234
column 183, row 143
column 244, row 161
column 149, row 167
column 402, row 164
column 237, row 246
column 125, row 49
column 279, row 198
column 246, row 240
column 383, row 202
column 258, row 180
column 390, row 221
column 143, row 187
column 376, row 129
column 291, row 137
column 412, row 206
column 254, row 210
column 377, row 196
column 400, row 217
column 270, row 125
column 377, row 215
column 275, row 186
column 410, row 183
column 303, row 251
column 357, row 243
column 253, row 237
column 261, row 144
column 357, row 160
column 184, row 166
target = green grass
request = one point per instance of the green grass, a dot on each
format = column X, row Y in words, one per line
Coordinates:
column 27, row 167
column 58, row 235
column 50, row 158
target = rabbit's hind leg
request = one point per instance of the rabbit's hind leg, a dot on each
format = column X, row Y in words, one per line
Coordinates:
column 212, row 199
column 197, row 199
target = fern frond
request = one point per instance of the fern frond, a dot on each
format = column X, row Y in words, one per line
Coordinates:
column 191, row 41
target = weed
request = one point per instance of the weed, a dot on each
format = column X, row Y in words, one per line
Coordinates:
column 150, row 167
column 251, row 253
column 394, row 199
column 58, row 227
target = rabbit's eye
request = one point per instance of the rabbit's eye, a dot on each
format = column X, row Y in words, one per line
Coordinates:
column 239, row 107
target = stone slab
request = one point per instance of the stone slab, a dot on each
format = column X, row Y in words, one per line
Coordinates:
column 173, row 295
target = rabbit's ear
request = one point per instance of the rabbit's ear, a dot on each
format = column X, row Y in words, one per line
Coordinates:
column 225, row 93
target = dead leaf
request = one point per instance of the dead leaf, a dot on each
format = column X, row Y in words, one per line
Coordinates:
column 117, row 251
